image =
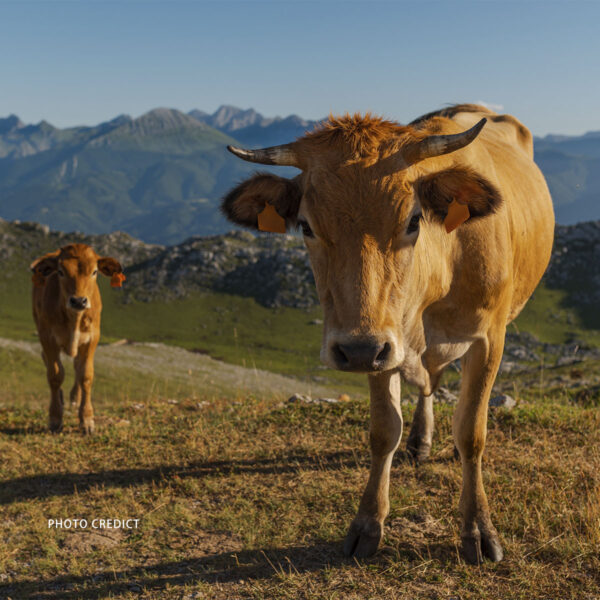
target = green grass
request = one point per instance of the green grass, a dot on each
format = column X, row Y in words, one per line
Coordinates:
column 553, row 318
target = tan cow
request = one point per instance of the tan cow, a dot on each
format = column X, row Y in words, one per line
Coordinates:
column 66, row 311
column 404, row 294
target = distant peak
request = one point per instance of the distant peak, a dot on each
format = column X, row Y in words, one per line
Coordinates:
column 10, row 123
column 165, row 118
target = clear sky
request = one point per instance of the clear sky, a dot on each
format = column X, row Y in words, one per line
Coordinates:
column 82, row 62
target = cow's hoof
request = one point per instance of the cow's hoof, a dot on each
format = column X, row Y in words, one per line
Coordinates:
column 87, row 427
column 363, row 537
column 418, row 448
column 55, row 425
column 482, row 545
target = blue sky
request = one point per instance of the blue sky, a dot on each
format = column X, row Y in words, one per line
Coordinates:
column 82, row 62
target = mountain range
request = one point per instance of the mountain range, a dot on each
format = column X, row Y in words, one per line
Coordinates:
column 160, row 176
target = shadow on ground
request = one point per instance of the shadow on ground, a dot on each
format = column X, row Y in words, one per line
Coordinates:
column 64, row 484
column 223, row 568
column 227, row 567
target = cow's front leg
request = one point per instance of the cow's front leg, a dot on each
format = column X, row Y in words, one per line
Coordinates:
column 55, row 374
column 366, row 530
column 84, row 374
column 419, row 440
column 480, row 365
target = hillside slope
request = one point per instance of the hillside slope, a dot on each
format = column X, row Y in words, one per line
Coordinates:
column 273, row 272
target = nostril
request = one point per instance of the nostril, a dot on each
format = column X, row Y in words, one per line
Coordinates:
column 384, row 353
column 84, row 302
column 339, row 355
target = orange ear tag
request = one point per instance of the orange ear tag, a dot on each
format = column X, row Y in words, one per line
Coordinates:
column 38, row 279
column 270, row 220
column 458, row 213
column 117, row 280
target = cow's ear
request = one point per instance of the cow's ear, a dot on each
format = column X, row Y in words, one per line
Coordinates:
column 109, row 266
column 437, row 191
column 244, row 203
column 44, row 265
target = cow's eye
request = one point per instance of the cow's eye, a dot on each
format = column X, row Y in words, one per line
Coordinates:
column 61, row 272
column 306, row 230
column 95, row 273
column 413, row 224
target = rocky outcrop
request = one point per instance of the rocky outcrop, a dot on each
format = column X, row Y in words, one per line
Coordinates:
column 275, row 270
column 575, row 263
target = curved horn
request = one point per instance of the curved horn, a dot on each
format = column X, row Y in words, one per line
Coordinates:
column 283, row 155
column 436, row 145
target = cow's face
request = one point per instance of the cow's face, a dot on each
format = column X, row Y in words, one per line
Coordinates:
column 76, row 266
column 362, row 223
column 360, row 236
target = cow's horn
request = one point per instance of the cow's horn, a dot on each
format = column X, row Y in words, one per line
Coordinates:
column 436, row 145
column 275, row 155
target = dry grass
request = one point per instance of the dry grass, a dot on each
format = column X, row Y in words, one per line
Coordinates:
column 249, row 497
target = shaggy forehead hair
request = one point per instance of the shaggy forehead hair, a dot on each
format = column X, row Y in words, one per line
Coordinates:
column 356, row 137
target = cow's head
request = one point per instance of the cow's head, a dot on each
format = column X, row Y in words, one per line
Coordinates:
column 76, row 266
column 367, row 195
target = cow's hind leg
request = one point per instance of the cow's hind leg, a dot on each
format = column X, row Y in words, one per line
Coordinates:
column 480, row 365
column 366, row 530
column 84, row 375
column 419, row 440
column 55, row 374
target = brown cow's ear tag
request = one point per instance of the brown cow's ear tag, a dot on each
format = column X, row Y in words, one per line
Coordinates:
column 38, row 279
column 270, row 220
column 117, row 280
column 458, row 213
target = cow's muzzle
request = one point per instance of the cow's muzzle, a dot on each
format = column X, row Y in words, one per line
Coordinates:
column 78, row 302
column 363, row 356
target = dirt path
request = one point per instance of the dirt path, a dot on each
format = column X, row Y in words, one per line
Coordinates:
column 180, row 365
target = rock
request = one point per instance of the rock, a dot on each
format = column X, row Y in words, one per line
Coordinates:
column 309, row 400
column 507, row 366
column 445, row 395
column 299, row 398
column 503, row 401
column 561, row 361
column 344, row 398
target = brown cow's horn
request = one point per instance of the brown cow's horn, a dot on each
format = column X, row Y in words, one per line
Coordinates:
column 436, row 145
column 275, row 155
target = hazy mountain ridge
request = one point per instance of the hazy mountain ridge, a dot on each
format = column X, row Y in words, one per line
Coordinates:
column 253, row 129
column 160, row 176
column 156, row 176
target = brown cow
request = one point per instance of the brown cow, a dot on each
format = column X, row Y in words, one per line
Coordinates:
column 403, row 297
column 66, row 311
